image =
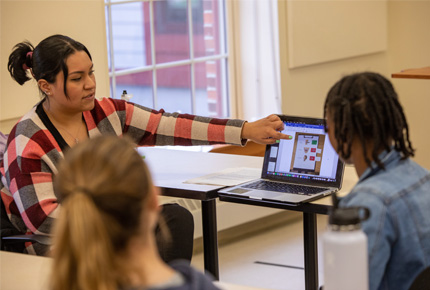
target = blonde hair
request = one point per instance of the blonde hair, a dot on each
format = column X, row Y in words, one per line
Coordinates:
column 103, row 185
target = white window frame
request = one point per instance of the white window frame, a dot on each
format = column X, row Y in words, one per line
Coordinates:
column 229, row 108
column 253, row 42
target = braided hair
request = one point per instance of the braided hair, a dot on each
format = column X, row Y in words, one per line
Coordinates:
column 365, row 105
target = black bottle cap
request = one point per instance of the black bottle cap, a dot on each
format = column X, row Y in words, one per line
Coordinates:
column 348, row 216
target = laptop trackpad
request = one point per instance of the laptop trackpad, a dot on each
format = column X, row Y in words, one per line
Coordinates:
column 265, row 194
column 239, row 190
column 255, row 193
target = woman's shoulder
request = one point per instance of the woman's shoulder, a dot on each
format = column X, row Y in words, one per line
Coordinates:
column 106, row 107
column 30, row 134
column 110, row 105
column 194, row 279
column 105, row 114
column 105, row 103
column 28, row 125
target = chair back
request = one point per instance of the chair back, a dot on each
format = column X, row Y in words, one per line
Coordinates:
column 8, row 230
column 422, row 281
column 3, row 140
column 6, row 227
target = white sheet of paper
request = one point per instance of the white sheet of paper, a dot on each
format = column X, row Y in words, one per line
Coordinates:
column 228, row 177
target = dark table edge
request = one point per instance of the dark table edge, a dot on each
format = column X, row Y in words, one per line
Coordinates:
column 304, row 207
column 191, row 194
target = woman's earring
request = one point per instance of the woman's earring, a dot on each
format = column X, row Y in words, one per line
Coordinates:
column 48, row 93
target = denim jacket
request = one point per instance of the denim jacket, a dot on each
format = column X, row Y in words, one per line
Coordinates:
column 398, row 229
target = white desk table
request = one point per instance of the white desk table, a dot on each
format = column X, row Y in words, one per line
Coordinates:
column 27, row 272
column 309, row 210
column 171, row 168
column 24, row 272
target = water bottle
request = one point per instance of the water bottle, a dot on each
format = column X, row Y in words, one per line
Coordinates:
column 125, row 96
column 345, row 250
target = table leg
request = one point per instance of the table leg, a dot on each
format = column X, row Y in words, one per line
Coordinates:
column 210, row 237
column 311, row 250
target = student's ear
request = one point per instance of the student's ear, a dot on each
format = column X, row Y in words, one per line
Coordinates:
column 44, row 86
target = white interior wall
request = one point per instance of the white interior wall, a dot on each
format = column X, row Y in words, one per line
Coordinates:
column 322, row 31
column 35, row 20
column 259, row 59
column 409, row 47
column 304, row 89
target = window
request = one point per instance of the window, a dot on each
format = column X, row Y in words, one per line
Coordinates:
column 169, row 54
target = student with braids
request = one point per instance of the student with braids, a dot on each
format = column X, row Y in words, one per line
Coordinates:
column 104, row 235
column 69, row 113
column 367, row 127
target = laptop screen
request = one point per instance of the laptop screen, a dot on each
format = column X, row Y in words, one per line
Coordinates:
column 307, row 158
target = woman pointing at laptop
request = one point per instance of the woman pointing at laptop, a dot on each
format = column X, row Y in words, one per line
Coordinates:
column 70, row 113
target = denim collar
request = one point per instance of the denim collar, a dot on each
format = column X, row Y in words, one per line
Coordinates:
column 386, row 157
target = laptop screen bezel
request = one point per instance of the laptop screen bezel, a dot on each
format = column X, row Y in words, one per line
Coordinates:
column 309, row 182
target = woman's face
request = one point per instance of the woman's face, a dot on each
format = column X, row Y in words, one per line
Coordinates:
column 81, row 85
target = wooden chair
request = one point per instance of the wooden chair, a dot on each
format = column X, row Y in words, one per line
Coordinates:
column 251, row 149
column 422, row 281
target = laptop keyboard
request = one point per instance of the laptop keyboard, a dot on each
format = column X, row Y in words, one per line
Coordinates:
column 284, row 187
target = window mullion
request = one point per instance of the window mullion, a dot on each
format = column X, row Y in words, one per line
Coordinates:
column 224, row 62
column 154, row 37
column 234, row 74
column 154, row 71
column 192, row 71
column 112, row 54
column 170, row 64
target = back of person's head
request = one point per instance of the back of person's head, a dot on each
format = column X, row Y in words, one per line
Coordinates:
column 103, row 186
column 366, row 106
column 45, row 60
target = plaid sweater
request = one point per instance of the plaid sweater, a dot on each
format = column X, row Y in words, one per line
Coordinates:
column 32, row 153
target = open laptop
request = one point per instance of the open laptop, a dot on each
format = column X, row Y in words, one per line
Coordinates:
column 298, row 170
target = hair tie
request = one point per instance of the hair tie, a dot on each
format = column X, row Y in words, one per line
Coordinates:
column 28, row 59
